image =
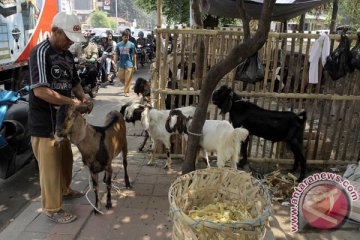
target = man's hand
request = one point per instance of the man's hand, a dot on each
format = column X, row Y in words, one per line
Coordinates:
column 89, row 104
column 75, row 101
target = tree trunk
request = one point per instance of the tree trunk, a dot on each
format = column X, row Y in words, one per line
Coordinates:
column 246, row 49
column 200, row 56
column 333, row 16
column 333, row 21
column 302, row 23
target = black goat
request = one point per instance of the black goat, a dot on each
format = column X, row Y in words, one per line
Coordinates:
column 270, row 125
column 143, row 87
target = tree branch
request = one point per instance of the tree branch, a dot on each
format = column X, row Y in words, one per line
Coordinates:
column 244, row 18
column 196, row 14
column 246, row 49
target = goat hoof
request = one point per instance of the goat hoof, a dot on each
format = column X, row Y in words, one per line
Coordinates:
column 96, row 211
column 300, row 179
column 108, row 206
column 167, row 166
column 140, row 149
column 150, row 163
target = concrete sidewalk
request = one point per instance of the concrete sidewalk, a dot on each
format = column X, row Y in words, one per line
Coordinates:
column 137, row 213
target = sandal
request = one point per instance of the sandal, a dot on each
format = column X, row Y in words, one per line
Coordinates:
column 73, row 194
column 61, row 216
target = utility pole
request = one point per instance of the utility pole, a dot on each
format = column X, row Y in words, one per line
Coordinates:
column 116, row 12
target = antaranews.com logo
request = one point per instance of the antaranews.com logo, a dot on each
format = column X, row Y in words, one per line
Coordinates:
column 322, row 200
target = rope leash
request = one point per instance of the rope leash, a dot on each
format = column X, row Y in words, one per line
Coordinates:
column 113, row 186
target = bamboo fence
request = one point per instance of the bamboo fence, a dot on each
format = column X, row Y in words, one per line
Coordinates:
column 332, row 135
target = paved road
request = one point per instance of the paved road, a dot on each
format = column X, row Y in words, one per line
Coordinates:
column 17, row 192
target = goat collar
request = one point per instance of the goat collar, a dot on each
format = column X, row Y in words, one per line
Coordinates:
column 232, row 98
column 191, row 133
column 195, row 134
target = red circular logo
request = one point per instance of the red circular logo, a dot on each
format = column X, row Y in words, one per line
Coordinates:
column 325, row 206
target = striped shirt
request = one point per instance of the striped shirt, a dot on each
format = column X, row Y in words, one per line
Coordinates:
column 48, row 68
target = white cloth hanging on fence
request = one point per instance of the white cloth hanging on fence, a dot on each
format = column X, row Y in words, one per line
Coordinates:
column 321, row 48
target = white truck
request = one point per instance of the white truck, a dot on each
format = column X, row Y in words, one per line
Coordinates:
column 23, row 24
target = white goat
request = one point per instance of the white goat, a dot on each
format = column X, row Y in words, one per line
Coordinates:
column 217, row 136
column 153, row 121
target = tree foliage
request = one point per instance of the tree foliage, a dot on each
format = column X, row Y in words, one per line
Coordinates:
column 99, row 19
column 129, row 11
column 349, row 12
column 178, row 12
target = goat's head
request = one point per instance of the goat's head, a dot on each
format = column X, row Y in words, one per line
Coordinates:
column 69, row 117
column 142, row 86
column 132, row 112
column 222, row 98
column 176, row 122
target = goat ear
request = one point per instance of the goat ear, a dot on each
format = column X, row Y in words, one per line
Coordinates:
column 227, row 104
column 82, row 108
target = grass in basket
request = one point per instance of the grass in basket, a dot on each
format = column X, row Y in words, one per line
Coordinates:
column 220, row 212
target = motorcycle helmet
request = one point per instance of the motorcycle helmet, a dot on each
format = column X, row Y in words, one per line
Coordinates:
column 129, row 31
column 109, row 34
column 141, row 34
column 103, row 35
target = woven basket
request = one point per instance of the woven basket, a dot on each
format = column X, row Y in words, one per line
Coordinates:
column 206, row 186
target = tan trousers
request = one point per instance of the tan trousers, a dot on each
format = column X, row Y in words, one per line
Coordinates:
column 55, row 170
column 125, row 76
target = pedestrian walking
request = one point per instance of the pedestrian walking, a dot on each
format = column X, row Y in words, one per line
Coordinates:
column 126, row 61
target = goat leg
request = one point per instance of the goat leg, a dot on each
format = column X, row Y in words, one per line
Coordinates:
column 125, row 163
column 104, row 179
column 108, row 173
column 95, row 182
column 206, row 158
column 168, row 159
column 153, row 147
column 299, row 157
column 144, row 142
column 243, row 161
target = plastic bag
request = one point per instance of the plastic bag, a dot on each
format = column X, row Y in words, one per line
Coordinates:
column 355, row 55
column 250, row 70
column 337, row 64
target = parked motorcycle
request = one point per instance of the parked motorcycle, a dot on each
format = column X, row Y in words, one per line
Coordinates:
column 149, row 49
column 83, row 69
column 15, row 141
column 141, row 55
column 107, row 71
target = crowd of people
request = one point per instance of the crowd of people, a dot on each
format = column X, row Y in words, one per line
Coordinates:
column 99, row 55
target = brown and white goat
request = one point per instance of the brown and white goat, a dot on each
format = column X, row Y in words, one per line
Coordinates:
column 153, row 122
column 98, row 145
